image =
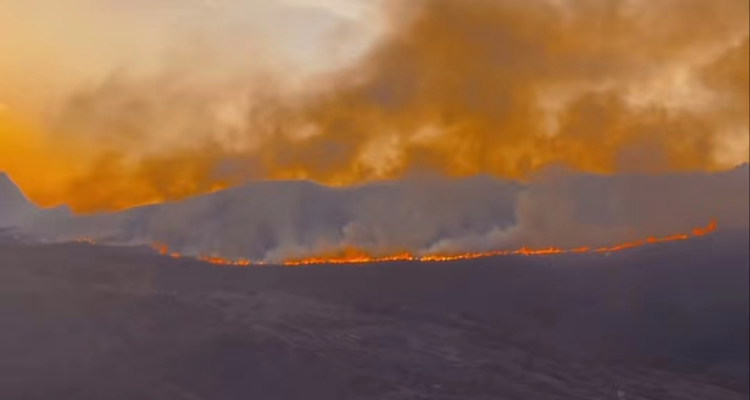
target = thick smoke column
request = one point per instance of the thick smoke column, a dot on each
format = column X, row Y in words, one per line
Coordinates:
column 453, row 88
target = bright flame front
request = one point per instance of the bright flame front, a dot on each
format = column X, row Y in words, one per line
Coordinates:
column 357, row 256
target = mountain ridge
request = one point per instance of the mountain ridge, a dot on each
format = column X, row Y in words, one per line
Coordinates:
column 275, row 220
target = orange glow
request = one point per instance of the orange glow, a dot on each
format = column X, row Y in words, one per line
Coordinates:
column 223, row 261
column 354, row 257
column 440, row 93
column 357, row 256
column 27, row 155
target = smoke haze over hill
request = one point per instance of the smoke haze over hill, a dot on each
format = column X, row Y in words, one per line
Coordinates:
column 283, row 220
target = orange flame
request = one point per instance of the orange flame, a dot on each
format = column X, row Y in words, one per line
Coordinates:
column 223, row 261
column 357, row 256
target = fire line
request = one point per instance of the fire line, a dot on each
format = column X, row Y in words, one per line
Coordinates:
column 357, row 256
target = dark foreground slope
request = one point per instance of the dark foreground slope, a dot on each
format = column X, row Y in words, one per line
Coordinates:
column 667, row 322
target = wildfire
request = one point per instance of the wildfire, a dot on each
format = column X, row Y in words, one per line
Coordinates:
column 84, row 240
column 164, row 250
column 356, row 256
column 434, row 94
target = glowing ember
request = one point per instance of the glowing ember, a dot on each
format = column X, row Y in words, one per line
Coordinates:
column 84, row 240
column 223, row 261
column 698, row 231
column 356, row 256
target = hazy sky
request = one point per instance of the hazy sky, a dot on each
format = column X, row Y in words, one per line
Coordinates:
column 62, row 42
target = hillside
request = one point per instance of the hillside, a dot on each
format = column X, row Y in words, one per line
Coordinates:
column 288, row 219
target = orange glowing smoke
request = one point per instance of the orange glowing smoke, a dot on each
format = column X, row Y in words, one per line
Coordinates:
column 454, row 87
column 355, row 256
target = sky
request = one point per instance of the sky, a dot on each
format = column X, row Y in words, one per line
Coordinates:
column 109, row 104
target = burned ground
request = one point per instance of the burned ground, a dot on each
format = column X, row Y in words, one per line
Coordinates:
column 661, row 322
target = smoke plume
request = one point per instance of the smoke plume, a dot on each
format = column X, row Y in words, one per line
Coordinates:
column 284, row 220
column 451, row 88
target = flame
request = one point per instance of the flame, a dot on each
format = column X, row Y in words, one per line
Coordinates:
column 355, row 257
column 358, row 256
column 84, row 240
column 223, row 261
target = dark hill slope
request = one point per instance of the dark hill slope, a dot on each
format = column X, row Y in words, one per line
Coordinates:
column 663, row 322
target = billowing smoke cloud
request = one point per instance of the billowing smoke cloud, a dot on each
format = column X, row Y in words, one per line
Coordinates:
column 452, row 88
column 81, row 79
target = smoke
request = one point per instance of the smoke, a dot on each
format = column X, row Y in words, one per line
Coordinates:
column 451, row 87
column 284, row 220
column 562, row 209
